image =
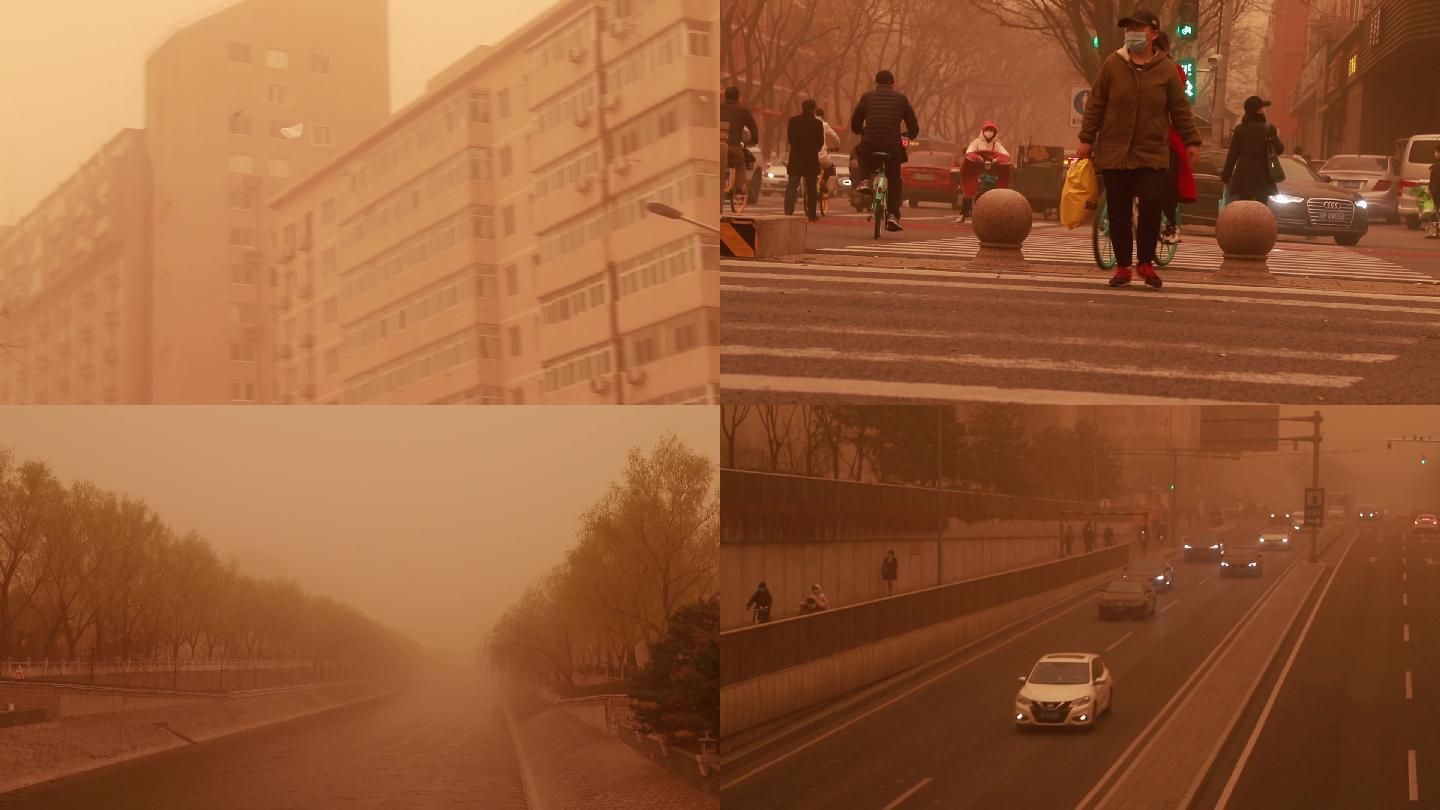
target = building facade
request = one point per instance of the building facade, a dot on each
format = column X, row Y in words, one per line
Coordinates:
column 237, row 106
column 75, row 286
column 490, row 242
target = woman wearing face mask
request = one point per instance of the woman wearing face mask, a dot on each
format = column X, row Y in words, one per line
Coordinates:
column 988, row 141
column 1135, row 100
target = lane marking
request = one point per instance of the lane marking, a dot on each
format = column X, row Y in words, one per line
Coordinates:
column 942, row 392
column 1172, row 604
column 1182, row 692
column 1405, row 600
column 1116, row 642
column 1404, row 577
column 1414, row 786
column 1083, row 342
column 1298, row 379
column 1409, row 693
column 1280, row 682
column 907, row 794
column 1205, row 580
column 1407, row 632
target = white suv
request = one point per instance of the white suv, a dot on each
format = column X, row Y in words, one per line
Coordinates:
column 1277, row 537
column 1065, row 689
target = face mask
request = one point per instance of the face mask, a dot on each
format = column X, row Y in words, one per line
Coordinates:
column 1135, row 40
column 989, row 135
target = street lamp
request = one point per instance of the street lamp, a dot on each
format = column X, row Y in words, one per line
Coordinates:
column 671, row 213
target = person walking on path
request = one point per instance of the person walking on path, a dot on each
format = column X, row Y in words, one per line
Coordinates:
column 1134, row 101
column 1089, row 533
column 1067, row 546
column 1109, row 537
column 760, row 602
column 819, row 597
column 1253, row 143
column 806, row 136
column 890, row 571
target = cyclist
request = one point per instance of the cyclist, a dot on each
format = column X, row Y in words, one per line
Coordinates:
column 739, row 118
column 877, row 119
column 989, row 140
column 1133, row 102
column 832, row 141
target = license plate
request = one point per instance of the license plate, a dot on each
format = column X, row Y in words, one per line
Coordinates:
column 1332, row 216
column 924, row 176
column 1049, row 716
column 1351, row 183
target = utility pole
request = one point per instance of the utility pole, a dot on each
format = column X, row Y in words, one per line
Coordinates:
column 1222, row 69
column 1314, row 438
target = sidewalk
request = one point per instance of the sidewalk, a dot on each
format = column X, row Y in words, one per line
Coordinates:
column 569, row 765
column 1168, row 769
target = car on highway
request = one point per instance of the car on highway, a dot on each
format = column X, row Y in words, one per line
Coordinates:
column 1276, row 533
column 1426, row 524
column 1204, row 547
column 777, row 174
column 1370, row 513
column 1133, row 597
column 1242, row 561
column 1297, row 519
column 1375, row 177
column 1304, row 204
column 1153, row 570
column 931, row 177
column 1064, row 689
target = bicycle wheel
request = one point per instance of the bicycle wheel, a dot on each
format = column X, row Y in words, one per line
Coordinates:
column 738, row 201
column 880, row 204
column 1100, row 243
column 822, row 202
column 1165, row 252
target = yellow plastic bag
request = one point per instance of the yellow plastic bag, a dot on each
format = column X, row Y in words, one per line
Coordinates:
column 1081, row 195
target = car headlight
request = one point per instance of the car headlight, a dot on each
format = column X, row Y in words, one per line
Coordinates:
column 1215, row 545
column 1252, row 565
column 1285, row 199
column 1224, row 564
column 770, row 174
column 844, row 181
column 1081, row 701
column 1187, row 545
column 1361, row 204
column 1160, row 578
column 1022, row 700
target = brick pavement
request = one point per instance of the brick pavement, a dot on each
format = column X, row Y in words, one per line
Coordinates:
column 1169, row 768
column 571, row 765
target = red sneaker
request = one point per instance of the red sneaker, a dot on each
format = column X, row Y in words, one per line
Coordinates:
column 1147, row 272
column 1121, row 277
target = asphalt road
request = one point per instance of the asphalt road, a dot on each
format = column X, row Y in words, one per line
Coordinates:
column 952, row 743
column 1342, row 727
column 821, row 332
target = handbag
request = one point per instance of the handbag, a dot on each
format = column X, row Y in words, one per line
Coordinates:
column 1277, row 172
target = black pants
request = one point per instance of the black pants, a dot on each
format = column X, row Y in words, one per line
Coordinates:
column 1122, row 187
column 892, row 171
column 1172, row 191
column 807, row 181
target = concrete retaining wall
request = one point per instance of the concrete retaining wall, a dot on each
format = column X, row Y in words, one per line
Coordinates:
column 849, row 570
column 744, row 706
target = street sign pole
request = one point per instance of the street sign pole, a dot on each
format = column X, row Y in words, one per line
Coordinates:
column 1315, row 482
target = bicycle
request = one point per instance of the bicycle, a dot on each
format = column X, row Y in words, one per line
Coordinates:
column 879, row 191
column 822, row 195
column 730, row 190
column 1104, row 249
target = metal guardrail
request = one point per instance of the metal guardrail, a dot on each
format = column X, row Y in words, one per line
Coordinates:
column 764, row 506
column 750, row 652
column 20, row 669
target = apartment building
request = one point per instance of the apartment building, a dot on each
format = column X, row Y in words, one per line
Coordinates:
column 238, row 105
column 74, row 286
column 490, row 243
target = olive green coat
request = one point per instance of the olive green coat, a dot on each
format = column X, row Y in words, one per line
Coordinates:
column 1130, row 111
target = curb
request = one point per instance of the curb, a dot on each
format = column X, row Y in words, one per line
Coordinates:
column 527, row 782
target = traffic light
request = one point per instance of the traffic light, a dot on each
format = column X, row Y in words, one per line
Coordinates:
column 1188, row 65
column 1188, row 19
column 1095, row 41
column 1172, row 486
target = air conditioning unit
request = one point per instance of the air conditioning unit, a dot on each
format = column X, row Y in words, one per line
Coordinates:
column 620, row 165
column 600, row 384
column 613, row 103
column 575, row 54
column 635, row 375
column 621, row 28
column 582, row 118
column 583, row 184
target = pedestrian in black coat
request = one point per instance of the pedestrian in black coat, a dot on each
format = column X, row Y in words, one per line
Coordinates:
column 806, row 136
column 1247, row 165
column 890, row 571
column 1089, row 533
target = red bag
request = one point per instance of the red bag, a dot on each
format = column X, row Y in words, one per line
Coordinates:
column 1184, row 174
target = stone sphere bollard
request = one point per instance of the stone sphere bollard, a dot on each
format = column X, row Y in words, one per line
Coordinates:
column 1245, row 231
column 1002, row 221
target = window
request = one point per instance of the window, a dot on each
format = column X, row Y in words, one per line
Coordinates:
column 327, row 212
column 319, row 63
column 483, row 224
column 480, row 164
column 505, row 162
column 238, row 52
column 642, row 350
column 240, row 164
column 277, row 94
column 480, row 106
column 239, row 124
column 242, row 273
column 327, row 262
column 512, row 280
column 241, row 391
column 503, row 101
column 243, row 237
column 685, row 338
column 242, row 198
column 507, row 219
column 514, row 341
column 242, row 313
column 322, row 135
column 290, row 235
column 669, row 122
column 699, row 38
column 280, row 60
column 279, row 167
column 332, row 309
column 242, row 351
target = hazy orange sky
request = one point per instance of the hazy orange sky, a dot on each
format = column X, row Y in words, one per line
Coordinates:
column 429, row 519
column 71, row 72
